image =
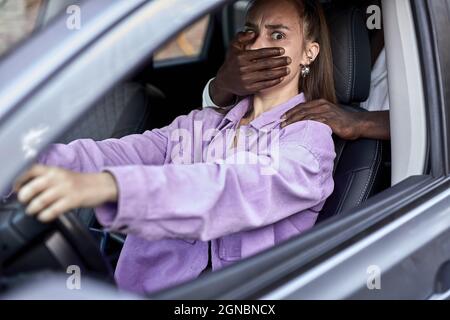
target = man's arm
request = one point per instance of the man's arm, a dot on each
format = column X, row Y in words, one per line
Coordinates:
column 375, row 125
column 221, row 98
column 345, row 124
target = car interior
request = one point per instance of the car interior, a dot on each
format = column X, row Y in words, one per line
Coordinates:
column 159, row 92
column 164, row 88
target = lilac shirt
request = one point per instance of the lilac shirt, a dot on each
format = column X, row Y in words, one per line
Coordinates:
column 183, row 186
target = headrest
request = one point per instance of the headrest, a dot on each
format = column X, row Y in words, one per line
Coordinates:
column 351, row 54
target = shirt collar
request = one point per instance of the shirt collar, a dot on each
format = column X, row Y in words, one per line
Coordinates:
column 272, row 117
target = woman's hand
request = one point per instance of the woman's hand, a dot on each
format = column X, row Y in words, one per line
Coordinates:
column 50, row 192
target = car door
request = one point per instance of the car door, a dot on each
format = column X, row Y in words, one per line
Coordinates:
column 71, row 68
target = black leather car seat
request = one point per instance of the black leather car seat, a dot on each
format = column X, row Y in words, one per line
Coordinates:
column 359, row 172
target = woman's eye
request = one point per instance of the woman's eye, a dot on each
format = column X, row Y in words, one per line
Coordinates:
column 277, row 36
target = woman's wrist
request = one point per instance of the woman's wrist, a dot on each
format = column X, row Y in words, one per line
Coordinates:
column 108, row 186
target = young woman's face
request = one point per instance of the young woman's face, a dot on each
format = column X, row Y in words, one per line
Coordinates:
column 277, row 24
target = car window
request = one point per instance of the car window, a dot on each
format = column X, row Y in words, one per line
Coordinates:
column 18, row 19
column 187, row 44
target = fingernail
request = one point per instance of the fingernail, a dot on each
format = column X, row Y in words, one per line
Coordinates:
column 44, row 217
column 29, row 210
column 289, row 60
column 21, row 196
column 282, row 51
column 32, row 208
column 283, row 118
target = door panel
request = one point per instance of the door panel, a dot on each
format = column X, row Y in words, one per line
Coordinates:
column 295, row 268
column 406, row 253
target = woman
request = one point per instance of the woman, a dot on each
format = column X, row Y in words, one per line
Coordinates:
column 209, row 187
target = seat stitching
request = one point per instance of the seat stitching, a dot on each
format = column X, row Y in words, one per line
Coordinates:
column 350, row 65
column 371, row 179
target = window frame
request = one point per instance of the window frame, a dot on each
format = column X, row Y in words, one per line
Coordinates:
column 30, row 96
column 431, row 29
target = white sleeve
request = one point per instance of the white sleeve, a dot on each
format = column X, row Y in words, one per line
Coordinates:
column 207, row 101
column 379, row 88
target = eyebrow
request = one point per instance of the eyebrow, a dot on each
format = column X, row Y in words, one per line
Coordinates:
column 276, row 26
column 268, row 26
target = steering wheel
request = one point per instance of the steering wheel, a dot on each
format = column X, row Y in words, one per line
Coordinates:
column 26, row 245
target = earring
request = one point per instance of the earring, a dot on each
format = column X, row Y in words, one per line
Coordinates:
column 306, row 70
